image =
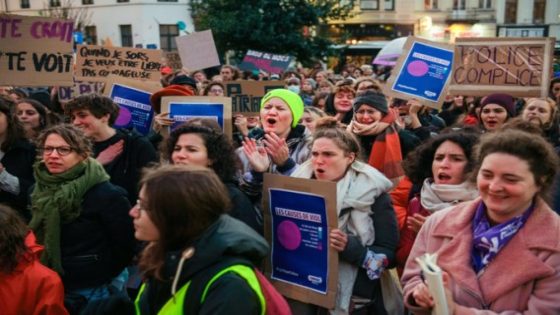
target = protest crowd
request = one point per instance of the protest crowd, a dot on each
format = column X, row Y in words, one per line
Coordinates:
column 97, row 218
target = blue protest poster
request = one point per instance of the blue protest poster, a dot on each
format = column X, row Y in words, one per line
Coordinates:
column 298, row 215
column 299, row 246
column 425, row 71
column 180, row 112
column 184, row 108
column 135, row 108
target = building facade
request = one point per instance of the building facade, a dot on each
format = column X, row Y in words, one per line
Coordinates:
column 445, row 20
column 127, row 23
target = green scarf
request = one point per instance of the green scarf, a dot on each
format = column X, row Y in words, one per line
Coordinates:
column 57, row 199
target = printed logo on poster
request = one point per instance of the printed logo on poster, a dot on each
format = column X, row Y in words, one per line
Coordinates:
column 425, row 72
column 299, row 247
column 135, row 109
column 181, row 112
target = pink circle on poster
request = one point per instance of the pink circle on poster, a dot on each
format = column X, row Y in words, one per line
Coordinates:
column 288, row 235
column 124, row 117
column 417, row 68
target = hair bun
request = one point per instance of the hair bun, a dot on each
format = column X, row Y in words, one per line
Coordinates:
column 327, row 122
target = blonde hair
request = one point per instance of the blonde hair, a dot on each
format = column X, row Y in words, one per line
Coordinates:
column 553, row 109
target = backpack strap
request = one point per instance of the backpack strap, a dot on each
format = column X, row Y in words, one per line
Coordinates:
column 201, row 283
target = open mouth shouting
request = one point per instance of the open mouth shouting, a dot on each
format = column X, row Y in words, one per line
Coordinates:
column 270, row 123
column 444, row 178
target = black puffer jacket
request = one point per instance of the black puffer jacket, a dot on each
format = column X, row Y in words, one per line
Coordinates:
column 230, row 294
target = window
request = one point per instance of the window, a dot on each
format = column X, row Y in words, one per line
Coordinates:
column 87, row 1
column 90, row 35
column 167, row 0
column 485, row 4
column 54, row 3
column 122, row 0
column 24, row 4
column 511, row 11
column 538, row 11
column 430, row 4
column 459, row 4
column 126, row 35
column 389, row 5
column 369, row 4
column 167, row 34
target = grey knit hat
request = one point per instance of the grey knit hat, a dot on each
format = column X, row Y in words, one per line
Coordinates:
column 373, row 99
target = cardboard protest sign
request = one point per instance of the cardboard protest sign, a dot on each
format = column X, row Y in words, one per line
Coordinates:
column 271, row 63
column 516, row 66
column 67, row 93
column 184, row 108
column 422, row 72
column 133, row 98
column 35, row 51
column 298, row 215
column 246, row 95
column 197, row 50
column 96, row 63
column 173, row 60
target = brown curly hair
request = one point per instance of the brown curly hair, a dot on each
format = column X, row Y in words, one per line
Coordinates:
column 12, row 239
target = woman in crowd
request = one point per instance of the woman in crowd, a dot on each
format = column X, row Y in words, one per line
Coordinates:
column 16, row 160
column 554, row 90
column 367, row 235
column 214, row 89
column 308, row 91
column 325, row 86
column 191, row 240
column 310, row 117
column 26, row 286
column 34, row 117
column 453, row 108
column 203, row 144
column 437, row 178
column 473, row 108
column 123, row 153
column 320, row 100
column 366, row 84
column 80, row 218
column 495, row 110
column 383, row 142
column 286, row 143
column 339, row 103
column 543, row 113
column 509, row 228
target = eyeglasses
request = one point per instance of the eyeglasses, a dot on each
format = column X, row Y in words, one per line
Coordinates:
column 139, row 207
column 62, row 151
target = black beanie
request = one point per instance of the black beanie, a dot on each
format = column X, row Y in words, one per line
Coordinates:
column 184, row 80
column 373, row 99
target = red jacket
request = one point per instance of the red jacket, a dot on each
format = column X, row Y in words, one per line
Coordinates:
column 32, row 288
column 407, row 235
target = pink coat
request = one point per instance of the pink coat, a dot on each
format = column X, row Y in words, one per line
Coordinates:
column 524, row 278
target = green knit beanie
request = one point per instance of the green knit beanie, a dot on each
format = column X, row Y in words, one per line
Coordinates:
column 294, row 101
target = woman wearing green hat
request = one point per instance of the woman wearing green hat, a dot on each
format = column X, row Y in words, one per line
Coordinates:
column 285, row 144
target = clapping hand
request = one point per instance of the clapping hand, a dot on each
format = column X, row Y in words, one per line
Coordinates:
column 257, row 156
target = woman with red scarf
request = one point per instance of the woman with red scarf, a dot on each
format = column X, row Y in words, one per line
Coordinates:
column 382, row 141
